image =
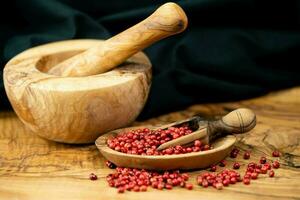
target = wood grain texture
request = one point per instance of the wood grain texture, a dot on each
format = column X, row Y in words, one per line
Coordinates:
column 75, row 109
column 34, row 168
column 167, row 20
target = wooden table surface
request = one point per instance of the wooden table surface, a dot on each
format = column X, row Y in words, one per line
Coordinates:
column 34, row 168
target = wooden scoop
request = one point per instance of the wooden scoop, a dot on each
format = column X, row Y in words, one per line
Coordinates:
column 238, row 121
column 167, row 20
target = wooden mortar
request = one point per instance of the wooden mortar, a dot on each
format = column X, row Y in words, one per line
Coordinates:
column 69, row 92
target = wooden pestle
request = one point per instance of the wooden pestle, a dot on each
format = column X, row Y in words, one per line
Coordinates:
column 167, row 20
column 238, row 121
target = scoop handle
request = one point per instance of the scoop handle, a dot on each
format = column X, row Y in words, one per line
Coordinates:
column 167, row 20
column 238, row 121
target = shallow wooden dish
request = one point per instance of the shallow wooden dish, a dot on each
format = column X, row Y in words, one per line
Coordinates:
column 222, row 148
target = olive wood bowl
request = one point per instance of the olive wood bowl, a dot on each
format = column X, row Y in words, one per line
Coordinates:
column 75, row 109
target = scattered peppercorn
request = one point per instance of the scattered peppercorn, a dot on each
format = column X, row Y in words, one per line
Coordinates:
column 234, row 153
column 139, row 179
column 93, row 177
column 226, row 182
column 264, row 170
column 271, row 173
column 254, row 175
column 110, row 165
column 160, row 186
column 246, row 155
column 145, row 142
column 213, row 168
column 276, row 164
column 223, row 178
column 233, row 180
column 189, row 186
column 258, row 166
column 252, row 164
column 219, row 186
column 222, row 163
column 268, row 166
column 246, row 181
column 275, row 154
column 168, row 186
column 236, row 165
column 263, row 160
column 121, row 190
column 136, row 188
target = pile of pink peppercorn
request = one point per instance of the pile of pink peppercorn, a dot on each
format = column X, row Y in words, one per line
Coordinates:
column 145, row 142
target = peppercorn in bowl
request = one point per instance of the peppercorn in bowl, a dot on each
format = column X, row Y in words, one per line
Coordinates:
column 135, row 147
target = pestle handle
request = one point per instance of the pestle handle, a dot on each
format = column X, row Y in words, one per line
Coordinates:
column 167, row 20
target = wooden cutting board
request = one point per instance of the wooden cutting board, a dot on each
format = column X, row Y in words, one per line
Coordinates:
column 34, row 168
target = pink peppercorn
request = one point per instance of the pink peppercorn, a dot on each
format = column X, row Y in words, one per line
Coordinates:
column 275, row 154
column 264, row 170
column 254, row 175
column 93, row 177
column 168, row 186
column 197, row 143
column 219, row 186
column 276, row 164
column 136, row 188
column 121, row 189
column 189, row 186
column 236, row 165
column 213, row 168
column 258, row 171
column 160, row 186
column 268, row 166
column 252, row 164
column 154, row 184
column 233, row 180
column 246, row 155
column 222, row 163
column 246, row 181
column 145, row 142
column 110, row 165
column 206, row 147
column 258, row 166
column 185, row 176
column 263, row 160
column 205, row 183
column 234, row 153
column 182, row 184
column 226, row 182
column 271, row 173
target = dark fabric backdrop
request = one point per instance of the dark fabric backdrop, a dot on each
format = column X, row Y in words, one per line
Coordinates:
column 231, row 50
